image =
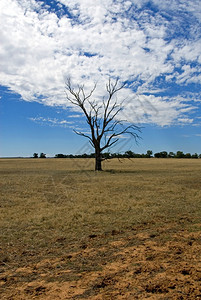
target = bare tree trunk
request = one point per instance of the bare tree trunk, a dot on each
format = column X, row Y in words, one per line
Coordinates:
column 98, row 160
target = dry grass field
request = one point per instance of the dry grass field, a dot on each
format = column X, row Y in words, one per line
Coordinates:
column 132, row 231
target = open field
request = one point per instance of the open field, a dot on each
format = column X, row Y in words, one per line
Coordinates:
column 132, row 231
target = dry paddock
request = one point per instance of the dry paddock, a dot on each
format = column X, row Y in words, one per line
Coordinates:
column 132, row 231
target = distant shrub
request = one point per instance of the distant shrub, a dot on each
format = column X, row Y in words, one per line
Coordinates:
column 162, row 154
column 194, row 155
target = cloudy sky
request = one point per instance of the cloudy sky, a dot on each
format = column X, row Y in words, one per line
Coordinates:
column 153, row 45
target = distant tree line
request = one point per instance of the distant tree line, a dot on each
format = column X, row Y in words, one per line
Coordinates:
column 42, row 155
column 178, row 154
column 131, row 154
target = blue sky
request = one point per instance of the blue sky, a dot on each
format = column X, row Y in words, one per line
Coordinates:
column 154, row 45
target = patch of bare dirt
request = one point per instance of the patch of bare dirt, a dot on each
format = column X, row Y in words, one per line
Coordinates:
column 140, row 266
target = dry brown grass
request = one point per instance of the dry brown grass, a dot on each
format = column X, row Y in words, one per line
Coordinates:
column 129, row 232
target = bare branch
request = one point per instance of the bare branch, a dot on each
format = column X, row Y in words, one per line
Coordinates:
column 131, row 129
column 83, row 134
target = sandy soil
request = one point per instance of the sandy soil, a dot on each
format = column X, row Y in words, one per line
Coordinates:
column 138, row 266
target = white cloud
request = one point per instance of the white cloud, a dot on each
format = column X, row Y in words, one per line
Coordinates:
column 152, row 109
column 51, row 121
column 74, row 116
column 39, row 48
column 189, row 52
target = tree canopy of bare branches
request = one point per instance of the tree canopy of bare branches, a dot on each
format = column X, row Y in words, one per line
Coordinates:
column 105, row 126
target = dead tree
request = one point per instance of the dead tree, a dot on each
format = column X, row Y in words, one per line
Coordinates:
column 105, row 127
